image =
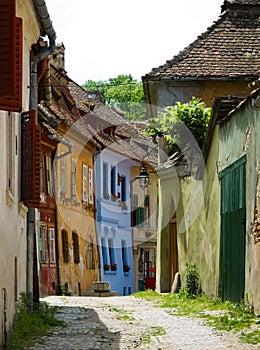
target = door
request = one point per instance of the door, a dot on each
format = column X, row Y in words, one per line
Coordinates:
column 173, row 253
column 233, row 219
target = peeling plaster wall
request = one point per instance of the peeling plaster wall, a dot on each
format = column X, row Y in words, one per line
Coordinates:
column 13, row 213
column 238, row 137
column 198, row 210
column 167, row 92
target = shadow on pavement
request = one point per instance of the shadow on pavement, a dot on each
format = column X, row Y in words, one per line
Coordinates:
column 84, row 330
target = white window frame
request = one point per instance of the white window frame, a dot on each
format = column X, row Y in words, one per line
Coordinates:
column 43, row 245
column 52, row 245
column 84, row 183
column 73, row 177
column 90, row 186
column 63, row 175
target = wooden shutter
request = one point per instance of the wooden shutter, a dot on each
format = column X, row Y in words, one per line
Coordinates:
column 31, row 139
column 7, row 29
column 11, row 52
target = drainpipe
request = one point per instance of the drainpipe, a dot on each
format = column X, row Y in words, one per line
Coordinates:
column 42, row 52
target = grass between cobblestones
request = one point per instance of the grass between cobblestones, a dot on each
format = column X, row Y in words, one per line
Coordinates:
column 29, row 326
column 224, row 316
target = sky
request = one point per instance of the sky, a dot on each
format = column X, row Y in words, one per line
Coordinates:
column 106, row 38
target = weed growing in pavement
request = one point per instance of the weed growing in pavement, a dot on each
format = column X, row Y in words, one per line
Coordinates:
column 28, row 326
column 155, row 332
column 225, row 316
column 251, row 337
column 122, row 314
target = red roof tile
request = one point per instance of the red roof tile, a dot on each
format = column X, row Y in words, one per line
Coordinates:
column 229, row 49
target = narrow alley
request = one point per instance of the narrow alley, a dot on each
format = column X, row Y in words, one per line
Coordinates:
column 119, row 323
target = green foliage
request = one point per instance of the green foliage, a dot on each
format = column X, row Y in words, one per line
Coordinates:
column 251, row 337
column 173, row 121
column 122, row 92
column 224, row 316
column 191, row 280
column 28, row 326
column 122, row 314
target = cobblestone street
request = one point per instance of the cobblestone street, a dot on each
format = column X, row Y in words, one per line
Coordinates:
column 129, row 323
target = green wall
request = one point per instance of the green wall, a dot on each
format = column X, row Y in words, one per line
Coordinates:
column 200, row 241
column 241, row 136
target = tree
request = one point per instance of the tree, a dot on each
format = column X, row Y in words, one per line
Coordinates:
column 173, row 122
column 122, row 92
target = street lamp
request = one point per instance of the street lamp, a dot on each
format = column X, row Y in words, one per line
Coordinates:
column 143, row 177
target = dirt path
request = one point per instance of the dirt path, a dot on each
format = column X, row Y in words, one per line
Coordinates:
column 129, row 323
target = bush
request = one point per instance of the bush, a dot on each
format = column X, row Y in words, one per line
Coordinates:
column 191, row 280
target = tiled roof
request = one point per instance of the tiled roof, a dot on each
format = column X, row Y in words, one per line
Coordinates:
column 84, row 99
column 63, row 104
column 228, row 49
column 241, row 2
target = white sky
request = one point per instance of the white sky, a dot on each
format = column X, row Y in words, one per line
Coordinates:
column 106, row 38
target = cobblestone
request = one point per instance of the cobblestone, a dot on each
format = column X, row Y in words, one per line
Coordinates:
column 117, row 323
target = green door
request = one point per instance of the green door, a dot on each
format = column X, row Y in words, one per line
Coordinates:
column 233, row 219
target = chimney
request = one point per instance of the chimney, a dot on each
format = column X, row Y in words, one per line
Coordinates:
column 58, row 57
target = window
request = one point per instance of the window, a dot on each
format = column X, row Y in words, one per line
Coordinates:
column 42, row 171
column 49, row 174
column 123, row 188
column 113, row 180
column 84, row 183
column 52, row 245
column 76, row 254
column 104, row 250
column 111, row 251
column 73, row 178
column 46, row 174
column 43, row 244
column 63, row 175
column 90, row 254
column 147, row 211
column 105, row 180
column 124, row 252
column 90, row 186
column 65, row 246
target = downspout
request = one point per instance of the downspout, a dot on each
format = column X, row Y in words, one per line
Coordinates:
column 42, row 52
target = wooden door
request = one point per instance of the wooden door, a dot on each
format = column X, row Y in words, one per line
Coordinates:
column 173, row 251
column 233, row 219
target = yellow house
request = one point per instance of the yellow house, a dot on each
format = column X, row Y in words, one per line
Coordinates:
column 76, row 244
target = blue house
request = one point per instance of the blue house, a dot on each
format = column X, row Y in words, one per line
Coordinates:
column 114, row 220
column 122, row 147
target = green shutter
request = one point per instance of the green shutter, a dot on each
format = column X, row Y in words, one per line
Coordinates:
column 139, row 216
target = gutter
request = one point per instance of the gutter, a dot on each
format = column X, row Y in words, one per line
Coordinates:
column 43, row 52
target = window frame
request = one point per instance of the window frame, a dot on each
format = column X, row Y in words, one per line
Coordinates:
column 90, row 186
column 52, row 245
column 73, row 177
column 84, row 183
